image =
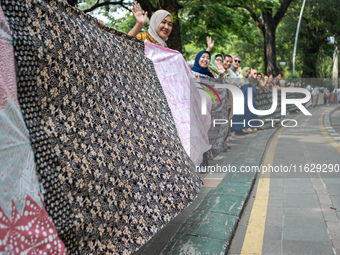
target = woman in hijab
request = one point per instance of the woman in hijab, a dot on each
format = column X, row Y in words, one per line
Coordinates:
column 217, row 135
column 216, row 61
column 159, row 29
column 200, row 68
column 245, row 73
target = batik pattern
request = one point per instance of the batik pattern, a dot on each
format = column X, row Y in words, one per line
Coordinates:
column 217, row 133
column 25, row 226
column 106, row 146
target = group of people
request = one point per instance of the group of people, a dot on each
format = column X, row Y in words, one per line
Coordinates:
column 217, row 66
column 321, row 96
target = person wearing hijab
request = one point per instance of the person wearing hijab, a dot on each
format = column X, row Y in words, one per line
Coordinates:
column 244, row 75
column 245, row 72
column 202, row 61
column 159, row 29
column 216, row 61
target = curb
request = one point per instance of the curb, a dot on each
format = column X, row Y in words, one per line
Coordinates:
column 327, row 124
column 212, row 225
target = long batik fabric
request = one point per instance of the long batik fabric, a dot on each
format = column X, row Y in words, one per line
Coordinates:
column 25, row 226
column 218, row 131
column 183, row 98
column 105, row 143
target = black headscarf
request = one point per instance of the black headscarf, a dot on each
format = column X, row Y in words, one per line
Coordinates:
column 197, row 68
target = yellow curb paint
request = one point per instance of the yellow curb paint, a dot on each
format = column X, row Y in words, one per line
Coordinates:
column 253, row 241
column 325, row 133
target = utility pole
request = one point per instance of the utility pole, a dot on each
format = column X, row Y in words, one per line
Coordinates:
column 335, row 73
column 297, row 35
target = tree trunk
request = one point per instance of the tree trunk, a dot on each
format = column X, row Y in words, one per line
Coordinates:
column 269, row 43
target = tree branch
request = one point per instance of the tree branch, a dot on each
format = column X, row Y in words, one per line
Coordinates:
column 97, row 5
column 147, row 6
column 252, row 14
column 281, row 11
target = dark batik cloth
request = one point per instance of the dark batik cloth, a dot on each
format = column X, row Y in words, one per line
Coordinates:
column 107, row 151
column 218, row 134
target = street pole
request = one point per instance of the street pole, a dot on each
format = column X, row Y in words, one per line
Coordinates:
column 335, row 64
column 297, row 35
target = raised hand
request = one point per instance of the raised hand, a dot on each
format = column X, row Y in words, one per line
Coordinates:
column 220, row 69
column 140, row 19
column 138, row 13
column 210, row 43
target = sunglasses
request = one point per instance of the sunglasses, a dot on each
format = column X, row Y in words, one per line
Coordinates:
column 255, row 73
column 239, row 61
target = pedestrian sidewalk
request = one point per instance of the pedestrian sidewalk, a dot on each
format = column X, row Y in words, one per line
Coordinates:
column 208, row 224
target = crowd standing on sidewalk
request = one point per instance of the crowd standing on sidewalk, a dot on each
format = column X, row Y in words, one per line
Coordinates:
column 225, row 67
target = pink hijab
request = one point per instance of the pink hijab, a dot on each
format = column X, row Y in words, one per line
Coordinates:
column 155, row 20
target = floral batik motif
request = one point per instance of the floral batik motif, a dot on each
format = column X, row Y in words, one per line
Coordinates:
column 106, row 147
column 25, row 226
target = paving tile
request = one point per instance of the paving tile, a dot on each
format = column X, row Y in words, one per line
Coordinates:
column 299, row 190
column 275, row 210
column 305, row 234
column 298, row 212
column 292, row 221
column 225, row 204
column 275, row 220
column 216, row 225
column 271, row 247
column 192, row 245
column 308, row 196
column 306, row 248
column 301, row 204
column 239, row 189
column 275, row 203
column 242, row 177
column 273, row 233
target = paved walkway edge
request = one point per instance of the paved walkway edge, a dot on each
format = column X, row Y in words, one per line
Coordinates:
column 327, row 120
column 212, row 225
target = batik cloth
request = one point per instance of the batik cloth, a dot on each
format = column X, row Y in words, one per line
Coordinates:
column 183, row 98
column 105, row 143
column 25, row 226
column 219, row 111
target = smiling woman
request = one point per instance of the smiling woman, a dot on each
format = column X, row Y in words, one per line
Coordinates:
column 159, row 29
column 201, row 65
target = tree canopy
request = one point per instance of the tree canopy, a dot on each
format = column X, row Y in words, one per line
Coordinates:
column 260, row 31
